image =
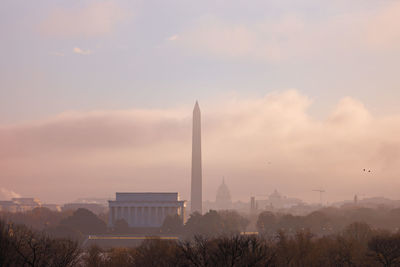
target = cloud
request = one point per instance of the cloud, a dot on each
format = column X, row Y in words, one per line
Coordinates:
column 57, row 54
column 80, row 51
column 287, row 37
column 383, row 29
column 219, row 38
column 97, row 153
column 296, row 36
column 93, row 20
column 173, row 37
column 6, row 194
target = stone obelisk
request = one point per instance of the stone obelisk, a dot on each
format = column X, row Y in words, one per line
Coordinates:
column 196, row 198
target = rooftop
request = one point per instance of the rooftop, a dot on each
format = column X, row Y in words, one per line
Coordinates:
column 147, row 196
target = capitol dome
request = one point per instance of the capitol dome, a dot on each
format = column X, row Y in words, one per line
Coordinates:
column 223, row 198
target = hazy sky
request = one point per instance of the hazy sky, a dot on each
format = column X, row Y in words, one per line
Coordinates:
column 96, row 96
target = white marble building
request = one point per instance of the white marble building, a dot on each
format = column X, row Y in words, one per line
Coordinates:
column 144, row 209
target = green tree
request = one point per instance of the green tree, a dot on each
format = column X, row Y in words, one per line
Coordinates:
column 233, row 222
column 121, row 227
column 209, row 224
column 172, row 224
column 85, row 222
column 266, row 222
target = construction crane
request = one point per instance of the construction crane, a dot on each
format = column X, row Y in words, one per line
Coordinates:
column 320, row 194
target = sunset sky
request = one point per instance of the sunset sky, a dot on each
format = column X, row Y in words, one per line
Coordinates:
column 97, row 97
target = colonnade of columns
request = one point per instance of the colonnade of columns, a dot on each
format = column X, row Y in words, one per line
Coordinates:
column 146, row 216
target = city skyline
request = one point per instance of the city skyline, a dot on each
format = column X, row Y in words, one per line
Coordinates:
column 96, row 97
column 107, row 158
column 273, row 133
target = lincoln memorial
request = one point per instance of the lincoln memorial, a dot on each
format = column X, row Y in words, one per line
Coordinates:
column 144, row 209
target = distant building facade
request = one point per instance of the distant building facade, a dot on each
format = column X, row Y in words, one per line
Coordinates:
column 253, row 207
column 20, row 204
column 223, row 198
column 278, row 201
column 8, row 205
column 145, row 209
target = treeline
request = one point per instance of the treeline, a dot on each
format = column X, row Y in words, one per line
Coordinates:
column 74, row 225
column 356, row 245
column 212, row 223
column 329, row 220
column 362, row 247
column 78, row 224
column 22, row 246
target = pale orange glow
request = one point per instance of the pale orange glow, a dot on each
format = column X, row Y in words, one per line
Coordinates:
column 98, row 153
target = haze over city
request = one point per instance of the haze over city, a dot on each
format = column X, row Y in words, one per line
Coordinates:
column 199, row 133
column 96, row 97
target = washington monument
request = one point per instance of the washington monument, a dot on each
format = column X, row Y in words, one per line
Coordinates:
column 196, row 198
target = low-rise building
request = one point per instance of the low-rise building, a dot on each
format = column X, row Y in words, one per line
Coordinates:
column 20, row 204
column 145, row 209
column 7, row 205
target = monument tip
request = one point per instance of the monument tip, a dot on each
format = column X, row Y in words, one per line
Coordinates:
column 196, row 106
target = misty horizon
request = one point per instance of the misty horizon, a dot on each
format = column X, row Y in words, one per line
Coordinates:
column 257, row 144
column 97, row 97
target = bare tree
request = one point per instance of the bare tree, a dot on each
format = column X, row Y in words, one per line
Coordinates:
column 196, row 253
column 385, row 250
column 30, row 248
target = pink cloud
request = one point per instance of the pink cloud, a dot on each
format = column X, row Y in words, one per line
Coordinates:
column 95, row 19
column 97, row 153
column 383, row 30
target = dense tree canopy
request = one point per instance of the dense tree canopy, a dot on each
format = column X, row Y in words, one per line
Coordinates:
column 85, row 222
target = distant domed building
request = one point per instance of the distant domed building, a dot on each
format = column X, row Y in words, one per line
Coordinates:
column 223, row 199
column 277, row 201
column 276, row 198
